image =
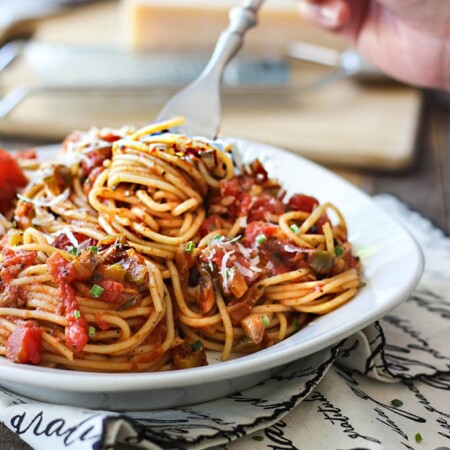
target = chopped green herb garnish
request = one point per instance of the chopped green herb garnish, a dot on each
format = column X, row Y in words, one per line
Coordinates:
column 261, row 238
column 92, row 249
column 258, row 438
column 91, row 332
column 197, row 345
column 74, row 251
column 77, row 314
column 229, row 272
column 296, row 324
column 190, row 247
column 265, row 320
column 294, row 228
column 396, row 402
column 418, row 438
column 96, row 291
column 218, row 237
column 339, row 250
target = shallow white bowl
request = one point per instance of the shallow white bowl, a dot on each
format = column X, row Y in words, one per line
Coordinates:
column 392, row 264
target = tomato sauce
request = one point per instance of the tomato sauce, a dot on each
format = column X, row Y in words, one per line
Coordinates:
column 63, row 274
column 14, row 262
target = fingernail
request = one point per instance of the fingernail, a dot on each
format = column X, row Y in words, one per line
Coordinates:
column 326, row 16
column 329, row 16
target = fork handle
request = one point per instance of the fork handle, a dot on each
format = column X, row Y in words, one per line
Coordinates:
column 242, row 18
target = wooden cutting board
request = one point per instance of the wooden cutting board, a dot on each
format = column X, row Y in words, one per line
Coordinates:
column 344, row 123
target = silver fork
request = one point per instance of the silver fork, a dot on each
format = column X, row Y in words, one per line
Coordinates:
column 199, row 103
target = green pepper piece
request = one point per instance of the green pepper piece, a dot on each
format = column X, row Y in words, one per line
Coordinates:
column 321, row 262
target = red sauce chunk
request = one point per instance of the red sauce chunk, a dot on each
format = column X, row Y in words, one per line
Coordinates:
column 252, row 195
column 306, row 203
column 112, row 292
column 263, row 206
column 60, row 269
column 64, row 243
column 64, row 275
column 27, row 153
column 255, row 229
column 14, row 262
column 210, row 224
column 94, row 159
column 76, row 334
column 302, row 202
column 25, row 344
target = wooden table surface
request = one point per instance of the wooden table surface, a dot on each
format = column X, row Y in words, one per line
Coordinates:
column 426, row 187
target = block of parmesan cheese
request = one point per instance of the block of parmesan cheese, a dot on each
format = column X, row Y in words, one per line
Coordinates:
column 194, row 25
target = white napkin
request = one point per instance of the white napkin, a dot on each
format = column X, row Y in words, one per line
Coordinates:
column 389, row 388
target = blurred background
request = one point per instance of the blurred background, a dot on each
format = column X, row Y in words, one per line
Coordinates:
column 72, row 64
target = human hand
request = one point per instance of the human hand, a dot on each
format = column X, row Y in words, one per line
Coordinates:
column 407, row 39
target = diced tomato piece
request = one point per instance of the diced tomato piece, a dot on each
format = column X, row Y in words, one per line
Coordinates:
column 25, row 345
column 14, row 262
column 11, row 180
column 24, row 214
column 265, row 204
column 27, row 153
column 236, row 185
column 229, row 187
column 95, row 159
column 244, row 203
column 102, row 324
column 259, row 171
column 90, row 180
column 301, row 202
column 11, row 257
column 63, row 242
column 112, row 292
column 63, row 274
column 76, row 333
column 254, row 229
column 321, row 221
column 210, row 224
column 350, row 259
column 4, row 241
column 73, row 138
column 109, row 135
column 60, row 269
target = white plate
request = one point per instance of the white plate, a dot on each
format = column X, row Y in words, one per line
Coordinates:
column 392, row 264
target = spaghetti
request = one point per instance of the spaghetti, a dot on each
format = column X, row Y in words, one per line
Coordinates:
column 139, row 250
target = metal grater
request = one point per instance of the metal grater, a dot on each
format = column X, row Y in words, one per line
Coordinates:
column 64, row 65
column 69, row 68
